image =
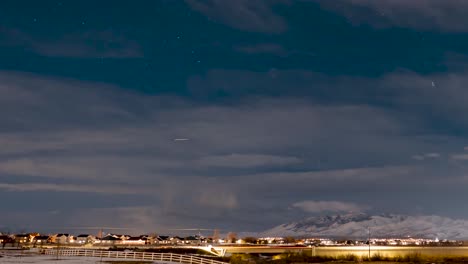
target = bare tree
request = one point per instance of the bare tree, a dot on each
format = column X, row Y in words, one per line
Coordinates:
column 231, row 237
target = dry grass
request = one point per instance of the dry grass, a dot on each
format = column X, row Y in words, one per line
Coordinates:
column 292, row 258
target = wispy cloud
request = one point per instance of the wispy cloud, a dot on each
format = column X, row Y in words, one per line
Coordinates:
column 328, row 206
column 51, row 187
column 91, row 44
column 427, row 15
column 460, row 156
column 247, row 160
column 270, row 49
column 253, row 16
column 431, row 155
column 326, row 177
column 263, row 48
column 418, row 157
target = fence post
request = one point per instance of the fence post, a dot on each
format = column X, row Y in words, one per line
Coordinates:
column 191, row 258
column 170, row 258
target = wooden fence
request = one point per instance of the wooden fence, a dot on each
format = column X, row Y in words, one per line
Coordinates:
column 167, row 257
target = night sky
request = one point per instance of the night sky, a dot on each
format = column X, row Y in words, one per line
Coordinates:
column 231, row 114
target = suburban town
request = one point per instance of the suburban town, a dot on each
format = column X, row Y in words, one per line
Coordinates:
column 109, row 240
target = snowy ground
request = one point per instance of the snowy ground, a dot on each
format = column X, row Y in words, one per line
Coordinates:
column 45, row 259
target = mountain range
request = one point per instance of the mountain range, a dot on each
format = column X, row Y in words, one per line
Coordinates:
column 379, row 226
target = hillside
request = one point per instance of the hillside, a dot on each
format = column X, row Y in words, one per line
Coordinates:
column 385, row 225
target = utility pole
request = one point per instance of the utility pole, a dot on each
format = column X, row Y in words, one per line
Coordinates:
column 368, row 239
column 58, row 249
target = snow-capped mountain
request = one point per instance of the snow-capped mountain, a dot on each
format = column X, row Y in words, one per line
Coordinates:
column 385, row 225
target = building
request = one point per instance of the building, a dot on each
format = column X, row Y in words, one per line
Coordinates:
column 22, row 238
column 41, row 240
column 85, row 239
column 63, row 239
column 135, row 241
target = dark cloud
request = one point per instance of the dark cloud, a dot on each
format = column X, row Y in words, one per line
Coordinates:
column 89, row 44
column 265, row 48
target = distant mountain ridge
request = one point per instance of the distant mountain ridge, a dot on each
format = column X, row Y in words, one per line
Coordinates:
column 380, row 226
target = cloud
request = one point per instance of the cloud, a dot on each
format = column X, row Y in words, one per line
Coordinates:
column 263, row 48
column 328, row 206
column 408, row 92
column 426, row 15
column 244, row 162
column 247, row 160
column 432, row 155
column 42, row 187
column 417, row 157
column 460, row 156
column 218, row 199
column 90, row 44
column 323, row 180
column 252, row 16
column 137, row 219
column 270, row 49
column 354, row 174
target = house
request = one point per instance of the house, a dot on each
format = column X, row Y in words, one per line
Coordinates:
column 162, row 240
column 191, row 240
column 22, row 238
column 176, row 240
column 141, row 240
column 63, row 239
column 41, row 240
column 111, row 240
column 150, row 239
column 85, row 239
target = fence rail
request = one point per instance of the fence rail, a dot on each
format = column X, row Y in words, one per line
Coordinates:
column 170, row 257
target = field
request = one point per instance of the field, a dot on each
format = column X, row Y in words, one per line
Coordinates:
column 379, row 255
column 387, row 251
